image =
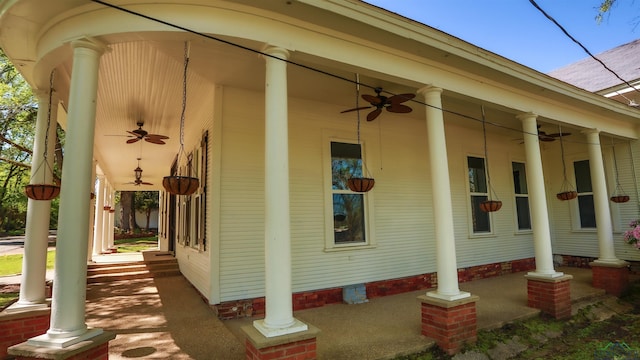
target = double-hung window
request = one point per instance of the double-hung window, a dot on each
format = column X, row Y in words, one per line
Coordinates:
column 479, row 192
column 349, row 220
column 586, row 208
column 521, row 196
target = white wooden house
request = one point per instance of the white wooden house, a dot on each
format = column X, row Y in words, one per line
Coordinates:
column 267, row 84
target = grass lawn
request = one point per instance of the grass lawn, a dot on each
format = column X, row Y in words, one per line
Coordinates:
column 12, row 264
column 137, row 244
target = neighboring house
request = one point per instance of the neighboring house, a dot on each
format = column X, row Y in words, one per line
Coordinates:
column 272, row 216
column 591, row 75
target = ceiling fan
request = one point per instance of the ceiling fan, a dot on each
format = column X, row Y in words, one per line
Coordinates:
column 140, row 134
column 543, row 136
column 138, row 176
column 379, row 102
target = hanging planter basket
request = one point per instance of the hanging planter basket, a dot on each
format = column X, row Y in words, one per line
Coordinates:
column 567, row 195
column 42, row 191
column 490, row 205
column 106, row 208
column 358, row 184
column 180, row 185
column 619, row 198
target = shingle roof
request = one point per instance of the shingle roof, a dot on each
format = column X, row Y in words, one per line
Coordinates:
column 592, row 76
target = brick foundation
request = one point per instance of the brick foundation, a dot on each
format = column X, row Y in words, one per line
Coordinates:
column 614, row 279
column 296, row 346
column 450, row 323
column 18, row 327
column 551, row 295
column 95, row 348
column 318, row 298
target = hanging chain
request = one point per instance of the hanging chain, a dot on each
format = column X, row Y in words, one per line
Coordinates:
column 46, row 136
column 358, row 105
column 486, row 153
column 615, row 162
column 633, row 171
column 184, row 93
column 564, row 165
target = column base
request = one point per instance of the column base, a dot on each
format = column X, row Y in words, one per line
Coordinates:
column 299, row 345
column 552, row 295
column 450, row 323
column 95, row 348
column 460, row 295
column 612, row 276
column 296, row 327
column 18, row 307
column 46, row 340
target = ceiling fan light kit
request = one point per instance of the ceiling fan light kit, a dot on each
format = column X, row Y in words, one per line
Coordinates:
column 178, row 184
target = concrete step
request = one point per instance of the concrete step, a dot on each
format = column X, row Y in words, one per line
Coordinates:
column 160, row 267
column 115, row 269
column 105, row 278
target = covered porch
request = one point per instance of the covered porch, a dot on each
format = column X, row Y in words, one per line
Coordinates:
column 158, row 318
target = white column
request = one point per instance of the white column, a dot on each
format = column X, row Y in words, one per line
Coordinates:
column 279, row 318
column 99, row 217
column 600, row 199
column 34, row 261
column 67, row 325
column 537, row 199
column 442, row 210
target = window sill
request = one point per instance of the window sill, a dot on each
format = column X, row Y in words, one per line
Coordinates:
column 586, row 230
column 349, row 247
column 482, row 235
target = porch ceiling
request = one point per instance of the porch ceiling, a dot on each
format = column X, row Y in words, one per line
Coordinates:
column 140, row 80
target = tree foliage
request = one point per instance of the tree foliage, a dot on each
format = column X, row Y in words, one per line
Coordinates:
column 18, row 112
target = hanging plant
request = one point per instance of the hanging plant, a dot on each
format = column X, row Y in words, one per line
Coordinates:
column 619, row 195
column 489, row 205
column 359, row 183
column 567, row 191
column 182, row 184
column 44, row 190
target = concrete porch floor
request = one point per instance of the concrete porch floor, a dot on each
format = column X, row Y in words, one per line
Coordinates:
column 166, row 318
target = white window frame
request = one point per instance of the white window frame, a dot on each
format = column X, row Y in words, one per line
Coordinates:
column 515, row 196
column 330, row 244
column 472, row 233
column 575, row 207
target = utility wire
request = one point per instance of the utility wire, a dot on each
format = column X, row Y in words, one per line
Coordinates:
column 357, row 81
column 580, row 44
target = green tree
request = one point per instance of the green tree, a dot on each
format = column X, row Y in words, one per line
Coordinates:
column 146, row 201
column 18, row 112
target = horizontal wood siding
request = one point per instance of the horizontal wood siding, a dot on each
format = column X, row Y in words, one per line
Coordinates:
column 194, row 263
column 396, row 155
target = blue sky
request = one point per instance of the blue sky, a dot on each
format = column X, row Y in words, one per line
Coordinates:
column 518, row 31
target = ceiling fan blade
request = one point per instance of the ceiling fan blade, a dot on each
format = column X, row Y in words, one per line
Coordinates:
column 131, row 141
column 157, row 136
column 373, row 100
column 558, row 134
column 374, row 114
column 400, row 98
column 399, row 108
column 546, row 138
column 355, row 109
column 146, row 183
column 154, row 140
column 134, row 134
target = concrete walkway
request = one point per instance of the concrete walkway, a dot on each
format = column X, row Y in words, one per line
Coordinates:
column 166, row 318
